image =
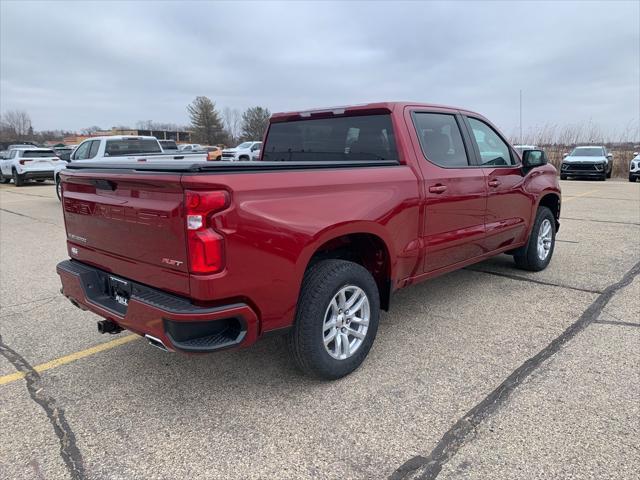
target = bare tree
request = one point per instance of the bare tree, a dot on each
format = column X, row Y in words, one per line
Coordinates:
column 232, row 120
column 90, row 130
column 18, row 122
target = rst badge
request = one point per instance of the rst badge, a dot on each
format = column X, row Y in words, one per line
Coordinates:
column 173, row 263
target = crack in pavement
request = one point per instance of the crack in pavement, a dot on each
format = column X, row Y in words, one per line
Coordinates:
column 532, row 280
column 465, row 428
column 30, row 217
column 27, row 194
column 29, row 302
column 68, row 448
column 601, row 221
column 616, row 322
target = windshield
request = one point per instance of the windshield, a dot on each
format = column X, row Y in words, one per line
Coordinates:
column 365, row 137
column 38, row 154
column 587, row 152
column 132, row 146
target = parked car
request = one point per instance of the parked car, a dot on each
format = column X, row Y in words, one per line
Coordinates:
column 118, row 148
column 346, row 207
column 168, row 145
column 22, row 164
column 214, row 153
column 191, row 147
column 244, row 152
column 587, row 161
column 634, row 167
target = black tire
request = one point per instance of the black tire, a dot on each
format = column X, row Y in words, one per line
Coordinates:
column 563, row 177
column 527, row 257
column 306, row 340
column 632, row 178
column 58, row 188
column 243, row 158
column 610, row 173
column 5, row 180
column 18, row 180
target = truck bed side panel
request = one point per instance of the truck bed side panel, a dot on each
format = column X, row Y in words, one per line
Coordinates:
column 278, row 220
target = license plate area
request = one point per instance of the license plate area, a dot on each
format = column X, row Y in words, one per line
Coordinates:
column 119, row 291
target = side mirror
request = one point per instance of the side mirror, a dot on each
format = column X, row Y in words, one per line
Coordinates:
column 635, row 154
column 609, row 156
column 565, row 155
column 533, row 158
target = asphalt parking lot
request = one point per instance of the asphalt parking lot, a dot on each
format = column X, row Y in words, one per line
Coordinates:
column 488, row 372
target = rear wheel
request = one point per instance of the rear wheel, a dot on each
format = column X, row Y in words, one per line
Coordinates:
column 58, row 188
column 537, row 253
column 632, row 178
column 336, row 321
column 4, row 179
column 18, row 180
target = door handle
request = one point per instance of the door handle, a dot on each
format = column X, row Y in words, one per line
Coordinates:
column 494, row 182
column 437, row 188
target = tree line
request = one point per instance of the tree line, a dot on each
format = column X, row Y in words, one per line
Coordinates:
column 208, row 125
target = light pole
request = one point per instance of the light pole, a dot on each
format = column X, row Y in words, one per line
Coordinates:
column 521, row 141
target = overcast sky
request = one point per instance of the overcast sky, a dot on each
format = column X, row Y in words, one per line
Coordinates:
column 77, row 64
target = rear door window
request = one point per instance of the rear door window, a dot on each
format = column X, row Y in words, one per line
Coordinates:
column 363, row 137
column 440, row 139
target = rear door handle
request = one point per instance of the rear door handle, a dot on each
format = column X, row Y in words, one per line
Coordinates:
column 437, row 188
column 494, row 183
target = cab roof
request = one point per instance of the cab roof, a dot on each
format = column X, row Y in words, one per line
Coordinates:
column 377, row 107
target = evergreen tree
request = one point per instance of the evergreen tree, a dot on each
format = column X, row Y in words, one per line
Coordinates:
column 205, row 122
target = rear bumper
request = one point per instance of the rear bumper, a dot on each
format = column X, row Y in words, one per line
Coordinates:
column 180, row 325
column 37, row 174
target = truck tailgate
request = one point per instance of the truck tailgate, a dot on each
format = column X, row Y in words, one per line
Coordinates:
column 129, row 224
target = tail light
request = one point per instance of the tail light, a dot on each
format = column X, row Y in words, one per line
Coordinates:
column 205, row 245
column 210, row 156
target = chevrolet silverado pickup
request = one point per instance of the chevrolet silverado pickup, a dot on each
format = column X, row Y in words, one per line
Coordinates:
column 344, row 207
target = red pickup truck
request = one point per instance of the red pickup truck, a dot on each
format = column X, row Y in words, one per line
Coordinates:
column 344, row 207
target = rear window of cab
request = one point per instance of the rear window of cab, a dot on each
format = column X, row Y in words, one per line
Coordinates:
column 350, row 138
column 38, row 154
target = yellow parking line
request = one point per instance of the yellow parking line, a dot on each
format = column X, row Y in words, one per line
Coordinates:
column 580, row 195
column 70, row 358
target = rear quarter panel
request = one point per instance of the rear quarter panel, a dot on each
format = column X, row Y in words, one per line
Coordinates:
column 277, row 221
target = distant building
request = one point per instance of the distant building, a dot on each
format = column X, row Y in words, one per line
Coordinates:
column 178, row 136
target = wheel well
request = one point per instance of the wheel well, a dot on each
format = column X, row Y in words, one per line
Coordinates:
column 364, row 249
column 552, row 202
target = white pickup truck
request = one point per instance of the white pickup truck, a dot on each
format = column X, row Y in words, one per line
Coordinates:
column 244, row 152
column 127, row 149
column 29, row 163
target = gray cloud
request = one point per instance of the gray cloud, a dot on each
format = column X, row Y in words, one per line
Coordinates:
column 107, row 63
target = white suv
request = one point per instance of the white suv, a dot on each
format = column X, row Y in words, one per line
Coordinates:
column 22, row 164
column 634, row 167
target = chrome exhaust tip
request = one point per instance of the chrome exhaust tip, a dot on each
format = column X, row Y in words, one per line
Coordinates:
column 156, row 342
